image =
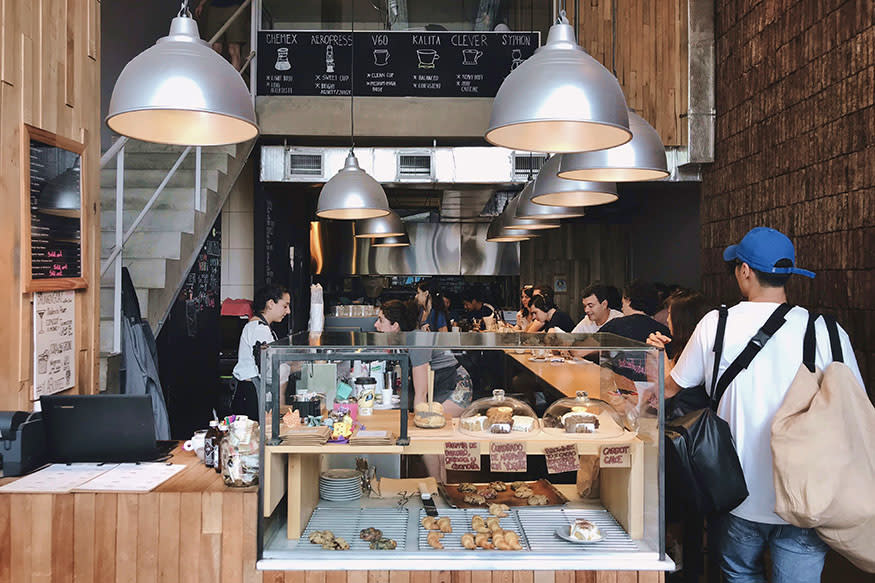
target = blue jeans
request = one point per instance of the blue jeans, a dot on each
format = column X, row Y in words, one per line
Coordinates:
column 797, row 553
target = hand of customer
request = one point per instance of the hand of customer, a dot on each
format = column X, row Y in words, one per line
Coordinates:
column 658, row 339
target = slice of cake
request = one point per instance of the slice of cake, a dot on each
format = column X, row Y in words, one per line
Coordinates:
column 522, row 423
column 474, row 423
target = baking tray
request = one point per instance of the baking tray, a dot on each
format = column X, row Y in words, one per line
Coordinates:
column 454, row 498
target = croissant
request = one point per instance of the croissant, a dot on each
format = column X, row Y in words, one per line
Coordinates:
column 513, row 540
column 499, row 510
column 429, row 523
column 478, row 524
column 434, row 540
column 500, row 542
column 493, row 523
column 482, row 541
column 444, row 524
column 468, row 541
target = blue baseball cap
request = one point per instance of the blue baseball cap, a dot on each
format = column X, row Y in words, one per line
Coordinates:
column 762, row 248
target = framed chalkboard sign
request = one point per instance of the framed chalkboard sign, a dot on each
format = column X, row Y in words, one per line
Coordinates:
column 52, row 221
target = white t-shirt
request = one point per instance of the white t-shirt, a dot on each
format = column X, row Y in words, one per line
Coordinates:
column 254, row 331
column 752, row 399
column 587, row 326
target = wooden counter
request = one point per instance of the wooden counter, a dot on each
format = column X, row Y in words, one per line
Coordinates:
column 566, row 377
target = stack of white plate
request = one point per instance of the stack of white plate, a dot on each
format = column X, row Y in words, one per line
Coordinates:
column 340, row 485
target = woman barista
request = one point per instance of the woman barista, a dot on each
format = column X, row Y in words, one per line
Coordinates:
column 452, row 383
column 271, row 304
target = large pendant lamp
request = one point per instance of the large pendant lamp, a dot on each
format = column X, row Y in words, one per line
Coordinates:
column 496, row 233
column 386, row 226
column 642, row 158
column 526, row 209
column 352, row 194
column 182, row 92
column 559, row 100
column 510, row 220
column 551, row 190
column 399, row 241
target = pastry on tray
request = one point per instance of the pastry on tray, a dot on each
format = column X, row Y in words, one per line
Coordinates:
column 467, row 488
column 583, row 529
column 488, row 493
column 474, row 499
column 383, row 544
column 468, row 541
column 499, row 510
column 518, row 484
column 434, row 540
column 430, row 523
column 370, row 534
column 538, row 500
column 523, row 492
column 478, row 524
column 498, row 486
column 444, row 524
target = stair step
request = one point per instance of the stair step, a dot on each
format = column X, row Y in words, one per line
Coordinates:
column 145, row 244
column 106, row 303
column 138, row 146
column 149, row 178
column 155, row 220
column 145, row 273
column 164, row 161
column 136, row 198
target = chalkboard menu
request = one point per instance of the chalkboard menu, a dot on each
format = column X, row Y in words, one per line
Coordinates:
column 203, row 284
column 388, row 63
column 54, row 187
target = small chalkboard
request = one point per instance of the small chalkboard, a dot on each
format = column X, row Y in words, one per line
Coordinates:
column 389, row 63
column 53, row 212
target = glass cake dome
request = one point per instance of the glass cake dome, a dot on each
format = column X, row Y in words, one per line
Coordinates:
column 498, row 416
column 582, row 416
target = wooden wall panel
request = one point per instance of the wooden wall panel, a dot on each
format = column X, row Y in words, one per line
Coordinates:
column 49, row 78
column 650, row 60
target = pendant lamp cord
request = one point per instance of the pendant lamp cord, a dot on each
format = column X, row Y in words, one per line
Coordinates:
column 183, row 10
column 614, row 37
column 352, row 81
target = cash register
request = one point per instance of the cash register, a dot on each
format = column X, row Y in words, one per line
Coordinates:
column 22, row 442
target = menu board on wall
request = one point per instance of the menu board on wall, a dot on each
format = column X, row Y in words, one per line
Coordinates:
column 389, row 63
column 54, row 330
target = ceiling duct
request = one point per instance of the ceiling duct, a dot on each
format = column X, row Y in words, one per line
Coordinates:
column 305, row 165
column 414, row 167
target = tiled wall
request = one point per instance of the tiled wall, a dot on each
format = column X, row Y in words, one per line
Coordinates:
column 237, row 238
column 795, row 118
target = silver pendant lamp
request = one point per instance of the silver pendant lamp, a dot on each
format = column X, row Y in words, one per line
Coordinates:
column 498, row 234
column 182, row 92
column 510, row 220
column 526, row 209
column 352, row 194
column 559, row 100
column 642, row 158
column 400, row 241
column 386, row 226
column 551, row 190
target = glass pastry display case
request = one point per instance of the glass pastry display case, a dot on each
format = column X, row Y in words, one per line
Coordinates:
column 549, row 453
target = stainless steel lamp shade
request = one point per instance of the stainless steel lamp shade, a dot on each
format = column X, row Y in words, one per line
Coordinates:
column 496, row 233
column 510, row 220
column 549, row 189
column 559, row 100
column 526, row 209
column 642, row 158
column 352, row 194
column 401, row 241
column 181, row 91
column 387, row 226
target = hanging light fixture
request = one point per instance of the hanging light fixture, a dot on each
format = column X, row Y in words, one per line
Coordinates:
column 510, row 220
column 559, row 100
column 182, row 92
column 386, row 226
column 526, row 209
column 642, row 158
column 399, row 241
column 61, row 196
column 551, row 190
column 352, row 193
column 496, row 233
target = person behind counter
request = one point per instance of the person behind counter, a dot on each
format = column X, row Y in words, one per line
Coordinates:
column 524, row 316
column 271, row 305
column 640, row 301
column 595, row 305
column 552, row 318
column 452, row 383
column 475, row 307
column 432, row 308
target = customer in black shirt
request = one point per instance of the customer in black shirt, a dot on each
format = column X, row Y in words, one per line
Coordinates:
column 554, row 319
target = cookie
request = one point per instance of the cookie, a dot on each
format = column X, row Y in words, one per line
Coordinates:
column 538, row 500
column 474, row 499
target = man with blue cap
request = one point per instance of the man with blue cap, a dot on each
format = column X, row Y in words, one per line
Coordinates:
column 761, row 263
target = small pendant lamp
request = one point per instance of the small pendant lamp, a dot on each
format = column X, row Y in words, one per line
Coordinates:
column 526, row 209
column 510, row 220
column 386, row 226
column 559, row 100
column 642, row 158
column 182, row 92
column 497, row 234
column 551, row 190
column 399, row 241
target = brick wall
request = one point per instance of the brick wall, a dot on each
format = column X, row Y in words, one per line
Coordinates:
column 795, row 81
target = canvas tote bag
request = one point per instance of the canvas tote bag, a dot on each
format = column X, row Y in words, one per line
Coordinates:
column 823, row 449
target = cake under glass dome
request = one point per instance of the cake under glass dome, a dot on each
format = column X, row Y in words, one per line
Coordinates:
column 499, row 416
column 582, row 417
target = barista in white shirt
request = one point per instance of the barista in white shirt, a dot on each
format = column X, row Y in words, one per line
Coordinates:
column 595, row 305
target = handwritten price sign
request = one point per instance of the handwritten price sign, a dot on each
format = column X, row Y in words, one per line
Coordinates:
column 561, row 459
column 462, row 455
column 616, row 456
column 507, row 457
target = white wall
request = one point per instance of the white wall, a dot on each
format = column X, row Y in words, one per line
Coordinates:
column 238, row 248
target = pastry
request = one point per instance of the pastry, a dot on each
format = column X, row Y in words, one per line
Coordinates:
column 434, row 540
column 499, row 541
column 493, row 523
column 429, row 523
column 499, row 510
column 499, row 414
column 513, row 540
column 370, row 534
column 383, row 544
column 474, row 423
column 468, row 541
column 523, row 492
column 500, row 427
column 522, row 423
column 465, row 487
column 474, row 499
column 444, row 524
column 498, row 486
column 580, row 422
column 538, row 500
column 515, row 485
column 318, row 537
column 482, row 541
column 487, row 493
column 585, row 530
column 337, row 544
column 479, row 525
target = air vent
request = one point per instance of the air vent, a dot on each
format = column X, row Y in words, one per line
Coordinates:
column 527, row 164
column 414, row 167
column 305, row 165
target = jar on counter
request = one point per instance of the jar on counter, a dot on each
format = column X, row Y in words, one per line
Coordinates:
column 239, row 451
